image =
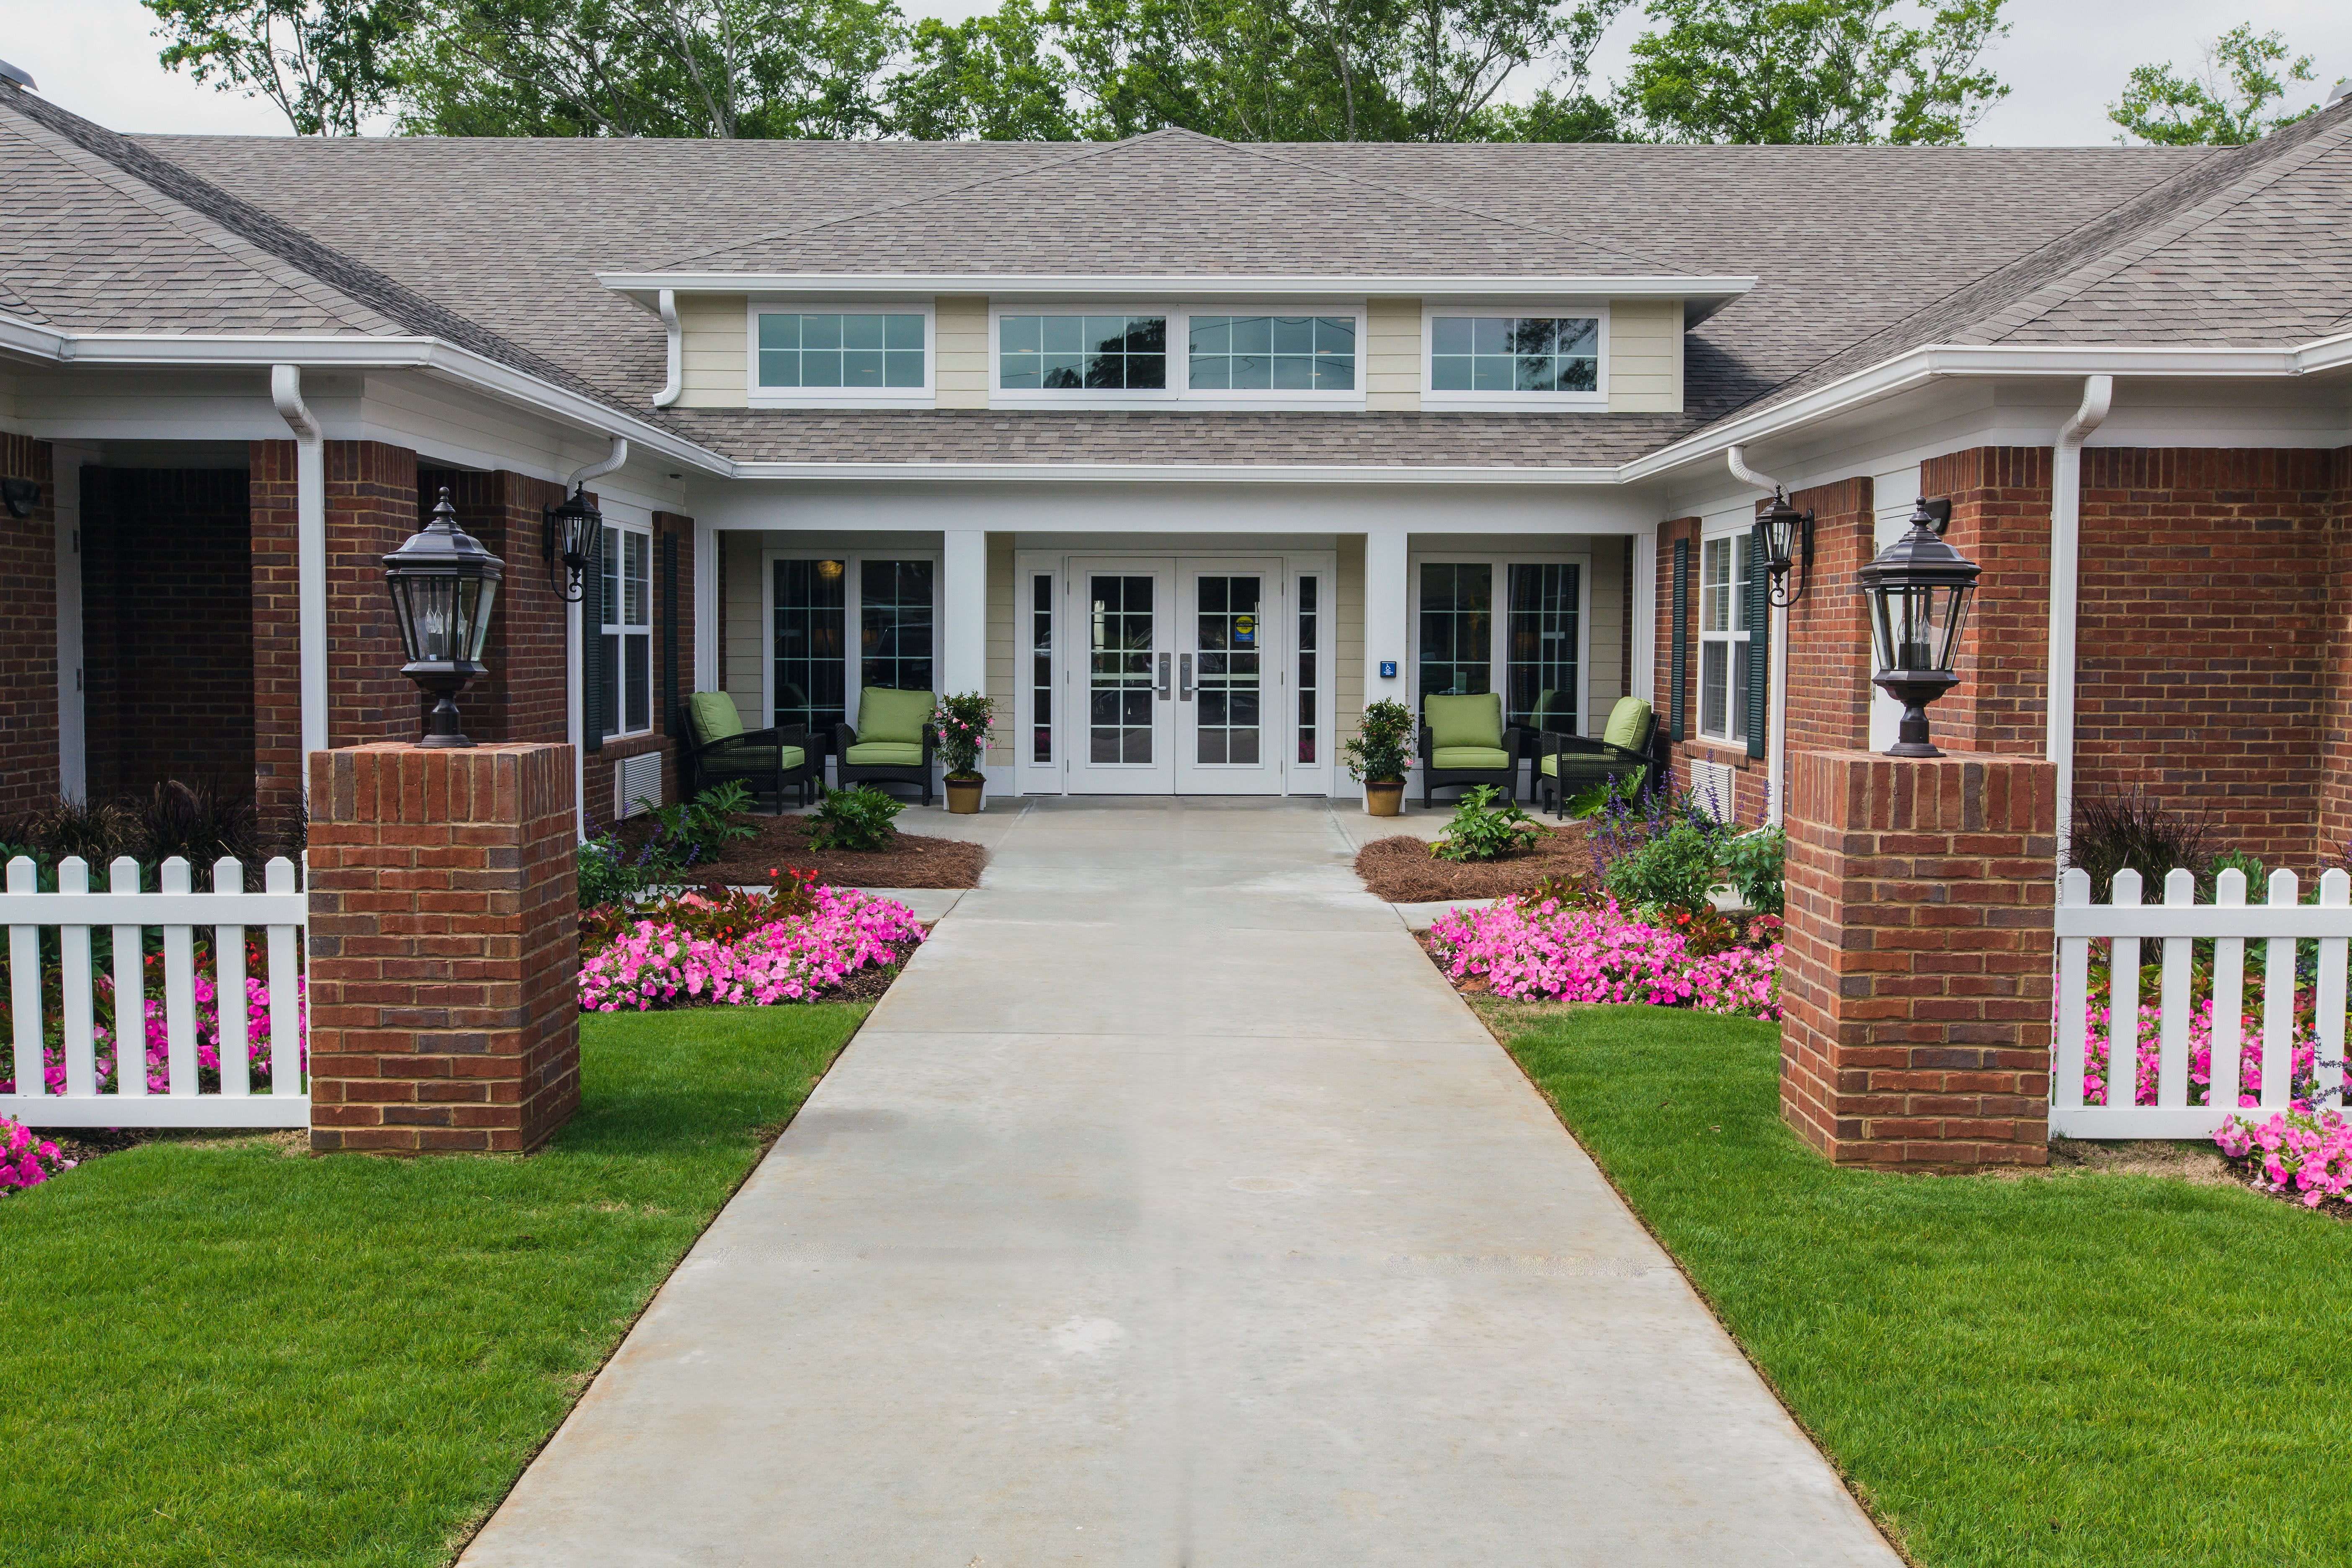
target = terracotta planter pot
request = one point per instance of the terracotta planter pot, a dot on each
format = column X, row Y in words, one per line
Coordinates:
column 964, row 796
column 1384, row 799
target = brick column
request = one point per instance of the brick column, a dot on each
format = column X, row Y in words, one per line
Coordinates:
column 443, row 956
column 1915, row 985
column 28, row 634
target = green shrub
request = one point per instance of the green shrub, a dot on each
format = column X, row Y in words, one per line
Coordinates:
column 1481, row 830
column 1754, row 863
column 1383, row 748
column 856, row 819
column 688, row 834
column 1673, row 871
column 607, row 874
column 962, row 721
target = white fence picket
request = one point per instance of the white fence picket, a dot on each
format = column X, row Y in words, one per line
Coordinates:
column 2180, row 922
column 228, row 910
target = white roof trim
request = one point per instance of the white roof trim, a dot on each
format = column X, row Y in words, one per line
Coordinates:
column 1180, row 473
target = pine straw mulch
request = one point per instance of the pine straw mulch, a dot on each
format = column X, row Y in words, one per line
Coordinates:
column 1403, row 870
column 781, row 842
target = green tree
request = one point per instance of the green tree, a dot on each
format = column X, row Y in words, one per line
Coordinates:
column 1812, row 71
column 648, row 67
column 987, row 78
column 326, row 64
column 2223, row 108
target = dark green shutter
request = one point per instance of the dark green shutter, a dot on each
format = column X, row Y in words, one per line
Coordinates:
column 670, row 723
column 1760, row 647
column 1679, row 680
column 592, row 646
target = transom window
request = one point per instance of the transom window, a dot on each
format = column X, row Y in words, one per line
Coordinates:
column 1514, row 353
column 628, row 630
column 1070, row 353
column 1723, row 598
column 857, row 352
column 1279, row 353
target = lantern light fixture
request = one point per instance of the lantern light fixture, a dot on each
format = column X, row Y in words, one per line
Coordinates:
column 569, row 541
column 1918, row 590
column 444, row 584
column 1788, row 551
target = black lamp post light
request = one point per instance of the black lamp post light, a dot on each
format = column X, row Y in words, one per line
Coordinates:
column 442, row 586
column 1918, row 589
column 570, row 541
column 1788, row 549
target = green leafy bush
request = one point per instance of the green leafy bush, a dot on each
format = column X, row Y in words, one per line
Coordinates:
column 1754, row 863
column 962, row 720
column 1481, row 830
column 1672, row 870
column 686, row 836
column 857, row 819
column 1381, row 749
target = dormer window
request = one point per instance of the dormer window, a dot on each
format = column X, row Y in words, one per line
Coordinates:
column 1500, row 360
column 840, row 355
column 1082, row 353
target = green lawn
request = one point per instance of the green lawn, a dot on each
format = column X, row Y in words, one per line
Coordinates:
column 223, row 1351
column 2081, row 1369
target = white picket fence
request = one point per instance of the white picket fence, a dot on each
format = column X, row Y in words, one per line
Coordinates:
column 66, row 918
column 2180, row 922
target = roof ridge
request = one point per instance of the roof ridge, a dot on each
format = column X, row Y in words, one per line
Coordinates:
column 194, row 225
column 2259, row 175
column 401, row 305
column 1088, row 150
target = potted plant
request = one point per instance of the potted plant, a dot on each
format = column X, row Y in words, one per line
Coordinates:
column 962, row 721
column 1379, row 755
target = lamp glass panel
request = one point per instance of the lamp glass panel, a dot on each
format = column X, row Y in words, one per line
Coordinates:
column 433, row 601
column 486, row 596
column 1955, row 620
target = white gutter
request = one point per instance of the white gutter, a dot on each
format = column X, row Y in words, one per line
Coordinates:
column 598, row 470
column 1179, row 473
column 1776, row 743
column 310, row 556
column 676, row 334
column 2065, row 573
column 644, row 286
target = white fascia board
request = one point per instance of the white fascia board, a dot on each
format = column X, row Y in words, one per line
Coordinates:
column 1179, row 473
column 18, row 335
column 646, row 287
column 429, row 355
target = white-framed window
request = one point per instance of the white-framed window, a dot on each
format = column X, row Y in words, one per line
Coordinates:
column 1515, row 356
column 838, row 622
column 1724, row 562
column 1516, row 623
column 1238, row 355
column 628, row 592
column 822, row 353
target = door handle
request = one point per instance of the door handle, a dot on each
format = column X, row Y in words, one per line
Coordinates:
column 1184, row 679
column 1163, row 682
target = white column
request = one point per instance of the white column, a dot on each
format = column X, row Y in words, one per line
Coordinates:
column 309, row 554
column 1386, row 605
column 2065, row 587
column 707, row 588
column 963, row 612
column 73, row 764
column 1643, row 680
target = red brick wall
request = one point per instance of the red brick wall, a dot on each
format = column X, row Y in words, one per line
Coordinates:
column 1915, row 981
column 270, row 498
column 371, row 509
column 444, row 948
column 29, row 636
column 2000, row 520
column 2336, row 735
column 167, row 628
column 2204, row 595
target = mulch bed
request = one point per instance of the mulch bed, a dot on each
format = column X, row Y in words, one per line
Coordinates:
column 1404, row 871
column 781, row 842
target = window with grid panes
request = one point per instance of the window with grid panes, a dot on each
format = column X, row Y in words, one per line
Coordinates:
column 1723, row 599
column 1082, row 353
column 1041, row 668
column 628, row 630
column 1309, row 669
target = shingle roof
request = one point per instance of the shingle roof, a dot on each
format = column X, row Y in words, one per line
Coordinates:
column 1859, row 251
column 1221, row 437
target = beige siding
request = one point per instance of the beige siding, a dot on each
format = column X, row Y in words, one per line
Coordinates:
column 714, row 372
column 1604, row 678
column 962, row 343
column 1347, row 674
column 1001, row 619
column 741, row 674
column 1392, row 355
column 1645, row 356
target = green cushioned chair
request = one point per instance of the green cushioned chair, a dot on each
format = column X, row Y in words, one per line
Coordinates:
column 1625, row 752
column 892, row 742
column 764, row 760
column 1464, row 742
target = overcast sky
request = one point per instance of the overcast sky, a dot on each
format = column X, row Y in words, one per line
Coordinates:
column 2065, row 60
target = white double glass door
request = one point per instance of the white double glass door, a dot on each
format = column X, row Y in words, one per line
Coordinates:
column 1178, row 680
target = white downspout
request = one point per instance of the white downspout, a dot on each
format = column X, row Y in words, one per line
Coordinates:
column 2065, row 573
column 1776, row 746
column 575, row 634
column 676, row 381
column 310, row 556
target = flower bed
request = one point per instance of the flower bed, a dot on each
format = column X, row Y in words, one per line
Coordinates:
column 2302, row 1047
column 697, row 950
column 1543, row 947
column 158, row 1042
column 2298, row 1153
column 27, row 1160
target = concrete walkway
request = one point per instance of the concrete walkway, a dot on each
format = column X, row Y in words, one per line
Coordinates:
column 1171, row 1212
